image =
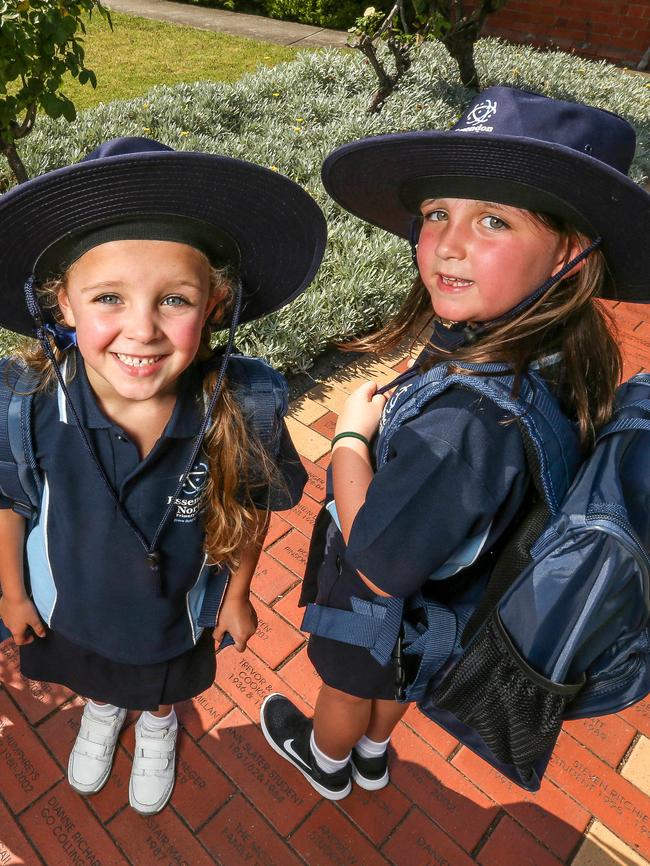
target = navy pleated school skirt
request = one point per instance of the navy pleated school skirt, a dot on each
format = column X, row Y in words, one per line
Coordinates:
column 330, row 581
column 55, row 659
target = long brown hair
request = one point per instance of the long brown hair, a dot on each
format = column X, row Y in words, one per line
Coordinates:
column 238, row 462
column 568, row 319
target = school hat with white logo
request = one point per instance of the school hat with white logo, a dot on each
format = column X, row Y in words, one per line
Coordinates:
column 238, row 213
column 517, row 148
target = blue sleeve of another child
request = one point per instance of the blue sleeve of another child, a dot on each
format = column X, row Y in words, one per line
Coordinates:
column 451, row 472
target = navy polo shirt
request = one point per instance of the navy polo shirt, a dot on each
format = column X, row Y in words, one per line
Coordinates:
column 89, row 576
column 456, row 473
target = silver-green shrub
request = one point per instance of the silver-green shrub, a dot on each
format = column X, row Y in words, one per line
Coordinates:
column 289, row 117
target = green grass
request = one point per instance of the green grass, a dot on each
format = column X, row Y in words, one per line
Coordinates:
column 138, row 54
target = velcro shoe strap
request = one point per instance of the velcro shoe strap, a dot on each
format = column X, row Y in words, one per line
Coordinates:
column 150, row 764
column 91, row 748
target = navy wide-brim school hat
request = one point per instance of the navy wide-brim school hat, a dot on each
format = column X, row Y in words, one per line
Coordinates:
column 238, row 213
column 515, row 148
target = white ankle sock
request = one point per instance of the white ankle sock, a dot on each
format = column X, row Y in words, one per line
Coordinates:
column 159, row 723
column 102, row 711
column 326, row 764
column 368, row 748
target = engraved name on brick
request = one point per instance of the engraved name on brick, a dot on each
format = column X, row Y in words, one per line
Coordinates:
column 264, row 630
column 186, row 774
column 250, row 682
column 249, row 850
column 203, row 701
column 13, row 757
column 333, row 847
column 434, row 787
column 71, row 841
column 295, row 553
column 436, row 857
column 256, row 764
column 161, row 846
column 614, row 799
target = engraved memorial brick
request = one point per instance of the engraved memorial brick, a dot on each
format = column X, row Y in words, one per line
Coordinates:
column 328, row 838
column 419, row 842
column 270, row 783
column 239, row 836
column 66, row 833
column 26, row 769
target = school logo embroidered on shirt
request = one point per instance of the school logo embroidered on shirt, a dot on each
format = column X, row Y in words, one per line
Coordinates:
column 191, row 500
column 478, row 116
column 196, row 479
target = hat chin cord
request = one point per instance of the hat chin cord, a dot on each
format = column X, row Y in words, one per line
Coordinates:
column 472, row 333
column 152, row 555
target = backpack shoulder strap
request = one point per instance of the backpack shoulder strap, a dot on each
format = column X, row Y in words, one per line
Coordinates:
column 549, row 437
column 263, row 395
column 631, row 408
column 19, row 477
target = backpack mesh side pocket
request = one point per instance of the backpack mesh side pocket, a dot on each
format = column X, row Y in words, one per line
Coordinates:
column 517, row 712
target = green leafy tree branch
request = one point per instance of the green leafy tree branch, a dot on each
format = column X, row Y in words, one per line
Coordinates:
column 41, row 41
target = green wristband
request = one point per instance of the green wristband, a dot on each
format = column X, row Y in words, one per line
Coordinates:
column 353, row 435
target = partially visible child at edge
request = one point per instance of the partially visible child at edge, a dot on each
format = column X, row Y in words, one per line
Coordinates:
column 138, row 252
column 496, row 208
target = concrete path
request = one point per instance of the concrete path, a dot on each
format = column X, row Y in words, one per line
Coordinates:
column 250, row 26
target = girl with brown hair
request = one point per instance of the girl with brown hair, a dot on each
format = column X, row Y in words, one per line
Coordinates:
column 519, row 218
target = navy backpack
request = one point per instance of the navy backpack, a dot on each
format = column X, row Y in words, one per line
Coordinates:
column 559, row 628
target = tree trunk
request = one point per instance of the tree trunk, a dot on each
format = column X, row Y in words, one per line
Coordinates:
column 460, row 44
column 14, row 160
column 464, row 57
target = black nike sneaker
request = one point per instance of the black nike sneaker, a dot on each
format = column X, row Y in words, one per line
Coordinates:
column 371, row 774
column 288, row 732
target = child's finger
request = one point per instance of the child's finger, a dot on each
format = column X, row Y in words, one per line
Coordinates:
column 22, row 637
column 368, row 389
column 38, row 627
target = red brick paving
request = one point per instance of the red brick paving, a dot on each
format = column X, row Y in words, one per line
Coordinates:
column 237, row 803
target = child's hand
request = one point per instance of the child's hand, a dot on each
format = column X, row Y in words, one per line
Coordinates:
column 362, row 411
column 237, row 617
column 18, row 616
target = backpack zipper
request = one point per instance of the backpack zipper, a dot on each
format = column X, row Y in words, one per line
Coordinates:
column 609, row 684
column 636, row 548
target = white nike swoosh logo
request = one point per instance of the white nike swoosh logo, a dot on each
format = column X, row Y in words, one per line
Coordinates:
column 288, row 747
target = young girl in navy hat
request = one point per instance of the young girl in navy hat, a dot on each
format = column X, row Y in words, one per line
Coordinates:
column 519, row 217
column 155, row 482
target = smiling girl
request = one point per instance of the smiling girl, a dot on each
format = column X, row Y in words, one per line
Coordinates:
column 156, row 484
column 518, row 218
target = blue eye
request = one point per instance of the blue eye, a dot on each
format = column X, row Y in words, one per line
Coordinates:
column 435, row 216
column 107, row 299
column 174, row 301
column 493, row 222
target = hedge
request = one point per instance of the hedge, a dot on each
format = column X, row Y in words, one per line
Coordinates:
column 290, row 116
column 339, row 14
